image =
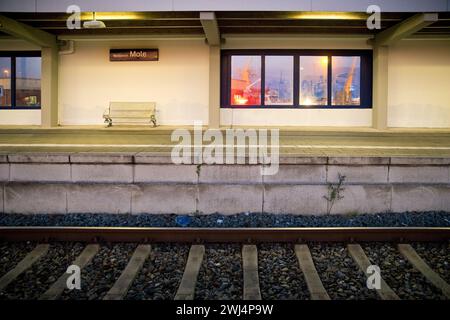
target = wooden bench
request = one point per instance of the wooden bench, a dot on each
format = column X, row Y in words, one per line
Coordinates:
column 130, row 113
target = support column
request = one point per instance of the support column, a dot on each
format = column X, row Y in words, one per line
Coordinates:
column 214, row 87
column 49, row 87
column 380, row 44
column 380, row 87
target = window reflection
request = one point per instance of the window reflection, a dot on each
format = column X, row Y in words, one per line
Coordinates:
column 28, row 81
column 5, row 81
column 313, row 80
column 346, row 80
column 245, row 80
column 279, row 74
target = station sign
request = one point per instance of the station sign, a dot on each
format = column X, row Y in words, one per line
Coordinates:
column 133, row 55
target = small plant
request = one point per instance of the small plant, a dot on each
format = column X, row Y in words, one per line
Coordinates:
column 335, row 192
column 352, row 214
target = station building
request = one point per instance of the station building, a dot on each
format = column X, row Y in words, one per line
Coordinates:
column 228, row 63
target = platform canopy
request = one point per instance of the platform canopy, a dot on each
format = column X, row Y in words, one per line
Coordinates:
column 230, row 23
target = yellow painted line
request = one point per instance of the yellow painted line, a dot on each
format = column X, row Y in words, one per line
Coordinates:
column 121, row 286
column 312, row 278
column 39, row 251
column 409, row 253
column 186, row 290
column 78, row 145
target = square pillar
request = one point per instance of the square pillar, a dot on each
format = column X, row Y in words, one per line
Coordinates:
column 49, row 87
column 214, row 87
column 380, row 87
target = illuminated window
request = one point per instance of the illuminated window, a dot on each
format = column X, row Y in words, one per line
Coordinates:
column 313, row 80
column 28, row 81
column 246, row 80
column 297, row 78
column 20, row 80
column 346, row 81
column 278, row 79
column 5, row 81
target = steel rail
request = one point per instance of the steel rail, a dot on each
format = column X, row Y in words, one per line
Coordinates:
column 211, row 235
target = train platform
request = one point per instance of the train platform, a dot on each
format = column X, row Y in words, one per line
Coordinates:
column 326, row 141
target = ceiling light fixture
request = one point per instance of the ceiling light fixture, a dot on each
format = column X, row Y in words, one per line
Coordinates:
column 94, row 24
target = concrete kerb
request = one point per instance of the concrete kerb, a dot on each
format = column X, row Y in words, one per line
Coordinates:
column 39, row 157
column 2, row 195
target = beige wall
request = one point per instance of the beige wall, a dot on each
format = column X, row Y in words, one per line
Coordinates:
column 295, row 117
column 419, row 84
column 287, row 42
column 20, row 117
column 178, row 82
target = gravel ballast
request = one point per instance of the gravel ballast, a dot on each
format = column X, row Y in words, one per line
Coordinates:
column 413, row 219
column 437, row 256
column 280, row 276
column 340, row 275
column 102, row 272
column 12, row 254
column 35, row 281
column 161, row 274
column 220, row 276
column 399, row 274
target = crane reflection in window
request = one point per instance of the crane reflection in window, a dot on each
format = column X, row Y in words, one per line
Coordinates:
column 346, row 80
column 246, row 80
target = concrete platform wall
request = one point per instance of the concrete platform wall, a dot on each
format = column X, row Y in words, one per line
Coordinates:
column 148, row 183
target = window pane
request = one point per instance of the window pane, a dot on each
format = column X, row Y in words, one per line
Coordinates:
column 28, row 81
column 346, row 81
column 313, row 80
column 5, row 81
column 279, row 74
column 245, row 80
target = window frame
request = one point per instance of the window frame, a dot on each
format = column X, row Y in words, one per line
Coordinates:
column 366, row 72
column 13, row 55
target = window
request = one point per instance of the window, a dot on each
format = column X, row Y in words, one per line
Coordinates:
column 246, row 80
column 20, row 80
column 279, row 76
column 296, row 79
column 5, row 81
column 313, row 80
column 346, row 81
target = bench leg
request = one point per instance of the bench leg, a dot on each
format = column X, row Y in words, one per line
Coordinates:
column 109, row 122
column 153, row 120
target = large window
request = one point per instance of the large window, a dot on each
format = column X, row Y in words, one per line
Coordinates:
column 20, row 80
column 296, row 79
column 313, row 80
column 279, row 84
column 5, row 81
column 246, row 80
column 346, row 81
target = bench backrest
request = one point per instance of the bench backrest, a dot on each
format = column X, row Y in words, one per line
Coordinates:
column 132, row 106
column 131, row 109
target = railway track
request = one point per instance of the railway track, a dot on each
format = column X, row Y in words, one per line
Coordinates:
column 249, row 264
